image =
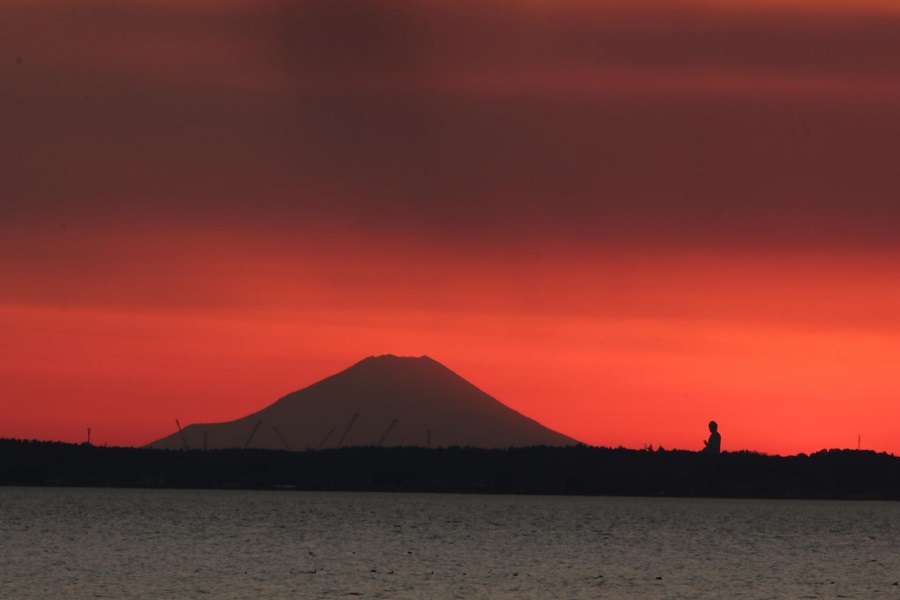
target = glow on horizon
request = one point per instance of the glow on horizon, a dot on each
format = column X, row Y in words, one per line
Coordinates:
column 628, row 351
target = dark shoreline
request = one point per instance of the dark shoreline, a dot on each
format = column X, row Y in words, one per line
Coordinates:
column 574, row 470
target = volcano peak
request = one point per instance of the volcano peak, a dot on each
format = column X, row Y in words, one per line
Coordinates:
column 381, row 400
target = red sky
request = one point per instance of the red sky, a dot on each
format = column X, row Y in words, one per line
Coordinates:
column 621, row 219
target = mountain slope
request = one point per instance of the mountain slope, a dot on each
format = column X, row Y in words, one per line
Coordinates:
column 391, row 400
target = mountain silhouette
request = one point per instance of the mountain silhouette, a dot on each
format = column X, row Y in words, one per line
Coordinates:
column 380, row 401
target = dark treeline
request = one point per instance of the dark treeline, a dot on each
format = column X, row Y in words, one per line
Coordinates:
column 541, row 470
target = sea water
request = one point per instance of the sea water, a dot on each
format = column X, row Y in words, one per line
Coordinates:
column 127, row 543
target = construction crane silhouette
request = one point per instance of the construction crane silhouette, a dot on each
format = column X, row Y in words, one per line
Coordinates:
column 387, row 431
column 346, row 431
column 281, row 437
column 325, row 439
column 252, row 433
column 181, row 433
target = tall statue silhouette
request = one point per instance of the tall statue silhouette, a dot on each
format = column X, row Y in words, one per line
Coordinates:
column 714, row 444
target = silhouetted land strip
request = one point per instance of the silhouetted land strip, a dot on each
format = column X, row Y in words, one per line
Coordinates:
column 578, row 470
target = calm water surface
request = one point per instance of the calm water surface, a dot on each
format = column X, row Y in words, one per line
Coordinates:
column 107, row 543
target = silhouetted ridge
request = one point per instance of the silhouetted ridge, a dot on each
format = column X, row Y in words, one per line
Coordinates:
column 381, row 400
column 848, row 474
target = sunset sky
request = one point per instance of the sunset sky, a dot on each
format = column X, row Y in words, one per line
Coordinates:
column 622, row 219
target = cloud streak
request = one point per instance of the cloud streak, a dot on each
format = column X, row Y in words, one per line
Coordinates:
column 604, row 121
